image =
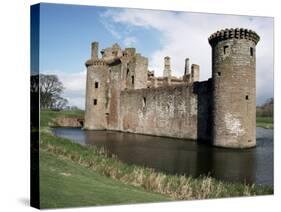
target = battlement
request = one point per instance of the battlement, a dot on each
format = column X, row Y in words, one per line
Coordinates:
column 237, row 33
column 96, row 62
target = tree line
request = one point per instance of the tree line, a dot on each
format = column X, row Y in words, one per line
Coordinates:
column 266, row 109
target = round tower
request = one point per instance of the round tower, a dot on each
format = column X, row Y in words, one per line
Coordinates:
column 234, row 87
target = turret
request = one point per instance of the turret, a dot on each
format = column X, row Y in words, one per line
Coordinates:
column 186, row 66
column 167, row 67
column 234, row 87
column 95, row 49
column 195, row 71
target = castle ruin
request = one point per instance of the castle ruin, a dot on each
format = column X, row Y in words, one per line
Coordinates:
column 122, row 94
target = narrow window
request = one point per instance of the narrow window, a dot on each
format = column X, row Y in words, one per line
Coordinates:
column 192, row 74
column 144, row 101
column 219, row 73
column 251, row 51
column 96, row 85
column 247, row 97
column 95, row 101
column 128, row 71
column 225, row 49
column 114, row 53
column 133, row 79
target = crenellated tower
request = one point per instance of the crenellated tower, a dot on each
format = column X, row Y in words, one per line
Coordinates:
column 107, row 76
column 96, row 91
column 234, row 87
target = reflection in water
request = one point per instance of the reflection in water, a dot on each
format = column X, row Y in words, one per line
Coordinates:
column 176, row 156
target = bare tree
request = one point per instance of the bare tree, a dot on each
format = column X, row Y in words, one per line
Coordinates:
column 59, row 103
column 50, row 92
column 266, row 109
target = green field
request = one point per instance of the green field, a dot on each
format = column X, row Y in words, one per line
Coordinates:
column 74, row 175
column 265, row 122
column 68, row 184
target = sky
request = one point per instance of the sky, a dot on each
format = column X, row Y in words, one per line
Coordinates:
column 67, row 31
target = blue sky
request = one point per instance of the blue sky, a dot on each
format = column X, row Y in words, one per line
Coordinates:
column 66, row 33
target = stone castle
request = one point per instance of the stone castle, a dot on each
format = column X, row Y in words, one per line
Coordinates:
column 122, row 94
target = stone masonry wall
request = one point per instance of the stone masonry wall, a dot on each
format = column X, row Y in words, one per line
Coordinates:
column 204, row 107
column 165, row 111
column 114, row 97
column 141, row 71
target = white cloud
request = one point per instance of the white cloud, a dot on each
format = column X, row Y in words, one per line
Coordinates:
column 130, row 41
column 110, row 27
column 186, row 35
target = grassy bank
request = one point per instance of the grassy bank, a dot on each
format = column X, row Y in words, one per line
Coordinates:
column 65, row 183
column 79, row 171
column 48, row 116
column 265, row 122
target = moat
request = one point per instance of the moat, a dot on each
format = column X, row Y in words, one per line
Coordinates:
column 176, row 156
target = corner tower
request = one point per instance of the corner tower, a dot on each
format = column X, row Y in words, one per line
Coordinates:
column 96, row 92
column 234, row 87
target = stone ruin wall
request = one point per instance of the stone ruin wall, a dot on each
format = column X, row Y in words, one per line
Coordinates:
column 131, row 105
column 164, row 111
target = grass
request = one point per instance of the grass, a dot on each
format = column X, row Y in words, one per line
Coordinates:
column 265, row 122
column 80, row 171
column 47, row 116
column 65, row 183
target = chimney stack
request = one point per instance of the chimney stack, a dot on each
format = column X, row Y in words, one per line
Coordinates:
column 95, row 48
column 186, row 67
column 167, row 67
column 195, row 71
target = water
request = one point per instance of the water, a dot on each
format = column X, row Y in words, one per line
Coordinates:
column 176, row 156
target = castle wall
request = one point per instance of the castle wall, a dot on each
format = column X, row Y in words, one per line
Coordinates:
column 204, row 107
column 165, row 111
column 130, row 74
column 114, row 96
column 141, row 72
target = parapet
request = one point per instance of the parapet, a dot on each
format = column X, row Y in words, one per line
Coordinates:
column 97, row 62
column 238, row 33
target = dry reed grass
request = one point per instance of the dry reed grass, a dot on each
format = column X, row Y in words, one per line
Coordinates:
column 174, row 186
